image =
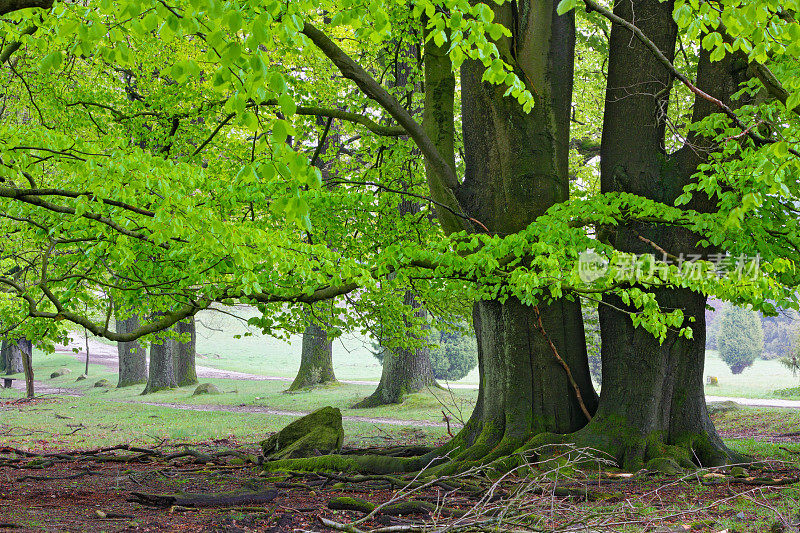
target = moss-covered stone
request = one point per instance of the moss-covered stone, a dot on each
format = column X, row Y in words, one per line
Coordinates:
column 81, row 377
column 104, row 383
column 318, row 433
column 63, row 371
column 205, row 388
column 664, row 465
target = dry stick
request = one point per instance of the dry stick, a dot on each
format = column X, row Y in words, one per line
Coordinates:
column 591, row 5
column 563, row 363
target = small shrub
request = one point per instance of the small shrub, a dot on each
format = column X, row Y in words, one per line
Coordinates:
column 741, row 339
column 454, row 355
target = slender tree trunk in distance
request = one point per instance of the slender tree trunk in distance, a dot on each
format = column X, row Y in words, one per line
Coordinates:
column 316, row 353
column 3, row 356
column 161, row 373
column 652, row 404
column 185, row 355
column 86, row 340
column 405, row 371
column 132, row 356
column 27, row 365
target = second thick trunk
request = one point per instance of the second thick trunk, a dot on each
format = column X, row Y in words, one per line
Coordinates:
column 405, row 370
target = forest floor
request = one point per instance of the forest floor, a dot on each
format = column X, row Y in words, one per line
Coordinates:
column 52, row 478
column 96, row 490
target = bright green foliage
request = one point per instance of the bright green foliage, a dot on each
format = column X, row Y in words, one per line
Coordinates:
column 741, row 338
column 454, row 354
column 160, row 153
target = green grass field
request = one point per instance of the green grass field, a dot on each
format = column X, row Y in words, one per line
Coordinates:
column 103, row 416
column 761, row 380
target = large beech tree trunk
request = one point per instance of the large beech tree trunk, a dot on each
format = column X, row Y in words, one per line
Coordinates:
column 132, row 356
column 652, row 402
column 161, row 372
column 516, row 168
column 186, row 353
column 404, row 370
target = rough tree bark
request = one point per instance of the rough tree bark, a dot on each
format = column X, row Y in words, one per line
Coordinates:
column 652, row 403
column 404, row 370
column 161, row 372
column 132, row 356
column 516, row 168
column 185, row 354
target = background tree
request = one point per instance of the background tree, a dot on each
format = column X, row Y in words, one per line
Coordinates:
column 316, row 357
column 405, row 369
column 741, row 338
column 12, row 350
column 185, row 353
column 161, row 370
column 132, row 356
column 453, row 355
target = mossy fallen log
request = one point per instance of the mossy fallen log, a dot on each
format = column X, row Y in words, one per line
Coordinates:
column 222, row 499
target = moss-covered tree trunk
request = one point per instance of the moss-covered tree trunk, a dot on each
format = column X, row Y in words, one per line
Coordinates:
column 405, row 370
column 316, row 358
column 161, row 372
column 186, row 353
column 516, row 168
column 652, row 402
column 132, row 356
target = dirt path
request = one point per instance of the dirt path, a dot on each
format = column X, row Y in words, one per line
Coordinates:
column 106, row 355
